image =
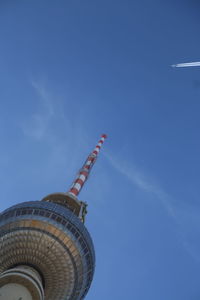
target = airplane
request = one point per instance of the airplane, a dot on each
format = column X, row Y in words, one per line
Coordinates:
column 190, row 64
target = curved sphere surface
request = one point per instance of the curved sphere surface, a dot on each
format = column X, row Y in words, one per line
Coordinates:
column 51, row 239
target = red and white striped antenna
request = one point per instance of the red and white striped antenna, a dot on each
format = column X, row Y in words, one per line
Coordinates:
column 84, row 172
column 69, row 199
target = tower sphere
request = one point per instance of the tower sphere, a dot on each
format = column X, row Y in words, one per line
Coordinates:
column 51, row 239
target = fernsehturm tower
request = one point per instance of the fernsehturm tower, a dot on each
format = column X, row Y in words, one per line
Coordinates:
column 46, row 252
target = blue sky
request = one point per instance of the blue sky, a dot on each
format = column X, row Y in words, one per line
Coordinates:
column 71, row 70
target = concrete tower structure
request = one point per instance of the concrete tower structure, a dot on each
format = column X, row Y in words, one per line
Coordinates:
column 46, row 252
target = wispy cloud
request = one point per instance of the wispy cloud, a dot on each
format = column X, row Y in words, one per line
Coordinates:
column 140, row 180
column 54, row 127
column 51, row 120
column 38, row 122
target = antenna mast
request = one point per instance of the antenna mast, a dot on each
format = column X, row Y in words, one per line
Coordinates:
column 69, row 199
column 84, row 172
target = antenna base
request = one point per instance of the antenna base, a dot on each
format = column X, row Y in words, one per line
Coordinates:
column 79, row 208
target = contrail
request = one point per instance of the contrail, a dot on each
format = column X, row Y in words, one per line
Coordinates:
column 190, row 64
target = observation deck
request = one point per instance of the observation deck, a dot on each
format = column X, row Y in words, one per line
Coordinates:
column 52, row 240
